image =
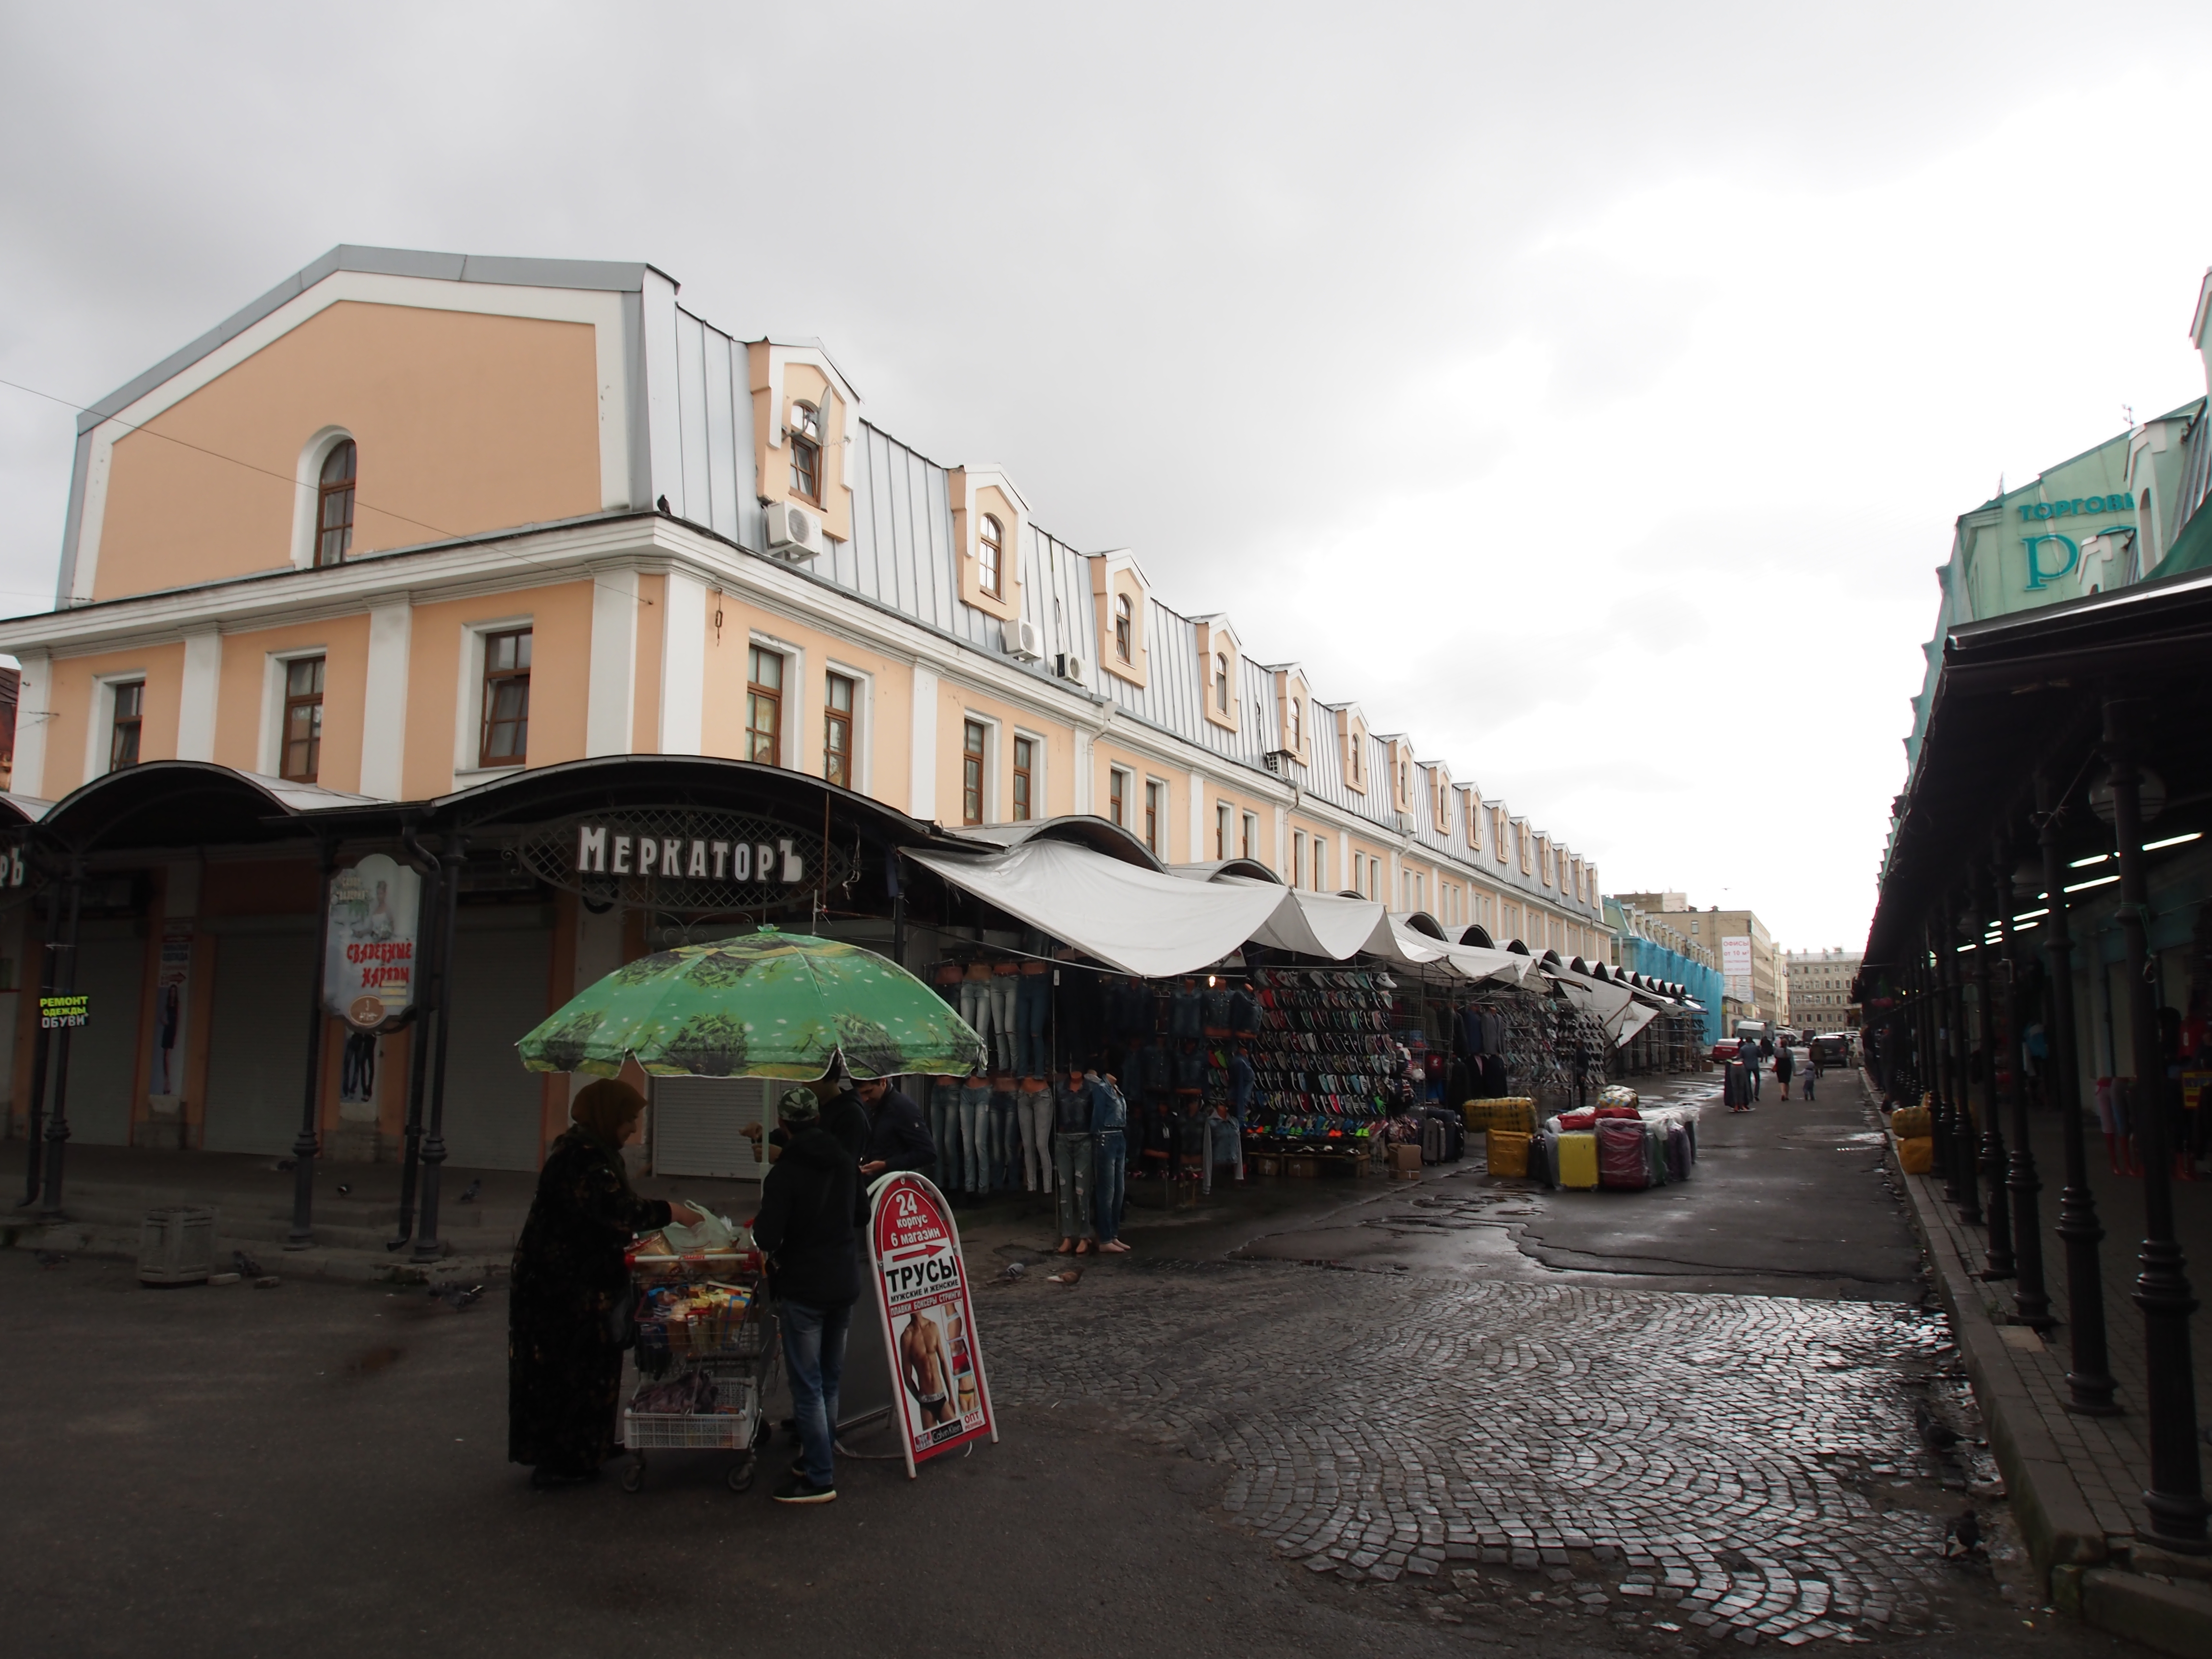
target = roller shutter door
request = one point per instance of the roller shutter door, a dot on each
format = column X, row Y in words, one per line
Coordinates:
column 257, row 1048
column 698, row 1124
column 103, row 1054
column 493, row 1106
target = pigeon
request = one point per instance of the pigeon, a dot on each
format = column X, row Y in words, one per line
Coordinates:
column 469, row 1193
column 1934, row 1434
column 246, row 1266
column 50, row 1258
column 344, row 1191
column 1016, row 1269
column 1963, row 1536
column 1064, row 1276
column 287, row 1164
column 456, row 1295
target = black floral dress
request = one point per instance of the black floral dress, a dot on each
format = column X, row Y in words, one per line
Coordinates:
column 564, row 1368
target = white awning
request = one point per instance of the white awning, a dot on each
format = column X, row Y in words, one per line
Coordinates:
column 1314, row 924
column 1141, row 921
column 1633, row 1019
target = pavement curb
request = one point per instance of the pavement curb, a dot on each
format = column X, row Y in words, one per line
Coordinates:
column 346, row 1267
column 2071, row 1555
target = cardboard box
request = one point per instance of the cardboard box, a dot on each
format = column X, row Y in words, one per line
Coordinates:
column 1405, row 1158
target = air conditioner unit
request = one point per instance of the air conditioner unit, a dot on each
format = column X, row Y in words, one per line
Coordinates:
column 1023, row 640
column 794, row 533
column 1071, row 667
column 1278, row 761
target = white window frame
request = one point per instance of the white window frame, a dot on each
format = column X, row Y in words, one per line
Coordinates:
column 307, row 499
column 994, row 760
column 1131, row 805
column 1038, row 810
column 799, row 706
column 1297, row 858
column 863, row 720
column 99, row 739
column 468, row 711
column 1247, row 845
column 1166, row 817
column 271, row 748
column 1320, row 847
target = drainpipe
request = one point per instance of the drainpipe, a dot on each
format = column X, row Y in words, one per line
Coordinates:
column 308, row 1142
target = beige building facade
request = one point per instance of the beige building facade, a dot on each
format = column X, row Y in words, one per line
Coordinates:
column 1820, row 988
column 1753, row 969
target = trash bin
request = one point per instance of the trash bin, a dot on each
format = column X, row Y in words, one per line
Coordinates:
column 176, row 1246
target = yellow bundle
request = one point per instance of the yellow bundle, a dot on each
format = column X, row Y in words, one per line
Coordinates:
column 1916, row 1154
column 1908, row 1122
column 1507, row 1152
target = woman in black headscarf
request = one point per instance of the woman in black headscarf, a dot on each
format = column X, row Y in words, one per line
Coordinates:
column 563, row 1346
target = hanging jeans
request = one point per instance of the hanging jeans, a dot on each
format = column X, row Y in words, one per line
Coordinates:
column 975, row 1005
column 970, row 1171
column 945, row 1129
column 814, row 1361
column 1110, row 1164
column 1003, row 990
column 1006, row 1138
column 1033, row 1112
column 1032, row 1019
column 1072, row 1161
column 1224, row 1144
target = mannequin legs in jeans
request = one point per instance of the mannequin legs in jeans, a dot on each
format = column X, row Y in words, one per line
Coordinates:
column 1033, row 1113
column 1005, row 1137
column 1032, row 1016
column 1072, row 1160
column 1112, row 1162
column 1000, row 1041
column 968, row 1171
column 975, row 1007
column 944, row 1130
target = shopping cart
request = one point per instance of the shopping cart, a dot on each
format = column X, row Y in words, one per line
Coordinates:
column 706, row 1353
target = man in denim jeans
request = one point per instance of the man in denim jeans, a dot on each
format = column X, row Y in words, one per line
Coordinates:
column 805, row 1227
column 1109, row 1123
column 1072, row 1161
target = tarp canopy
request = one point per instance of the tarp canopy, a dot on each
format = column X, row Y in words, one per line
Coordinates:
column 1141, row 921
column 1633, row 1019
column 1313, row 924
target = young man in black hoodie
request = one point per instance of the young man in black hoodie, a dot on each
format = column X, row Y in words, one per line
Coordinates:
column 805, row 1227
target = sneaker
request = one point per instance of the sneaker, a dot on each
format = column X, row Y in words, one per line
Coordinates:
column 798, row 1489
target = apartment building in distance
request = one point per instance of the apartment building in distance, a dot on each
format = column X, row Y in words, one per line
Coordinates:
column 1819, row 984
column 1751, row 968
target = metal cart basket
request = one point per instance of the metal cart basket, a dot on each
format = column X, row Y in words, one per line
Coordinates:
column 706, row 1353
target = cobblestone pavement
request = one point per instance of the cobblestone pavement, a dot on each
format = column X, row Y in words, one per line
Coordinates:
column 1740, row 1466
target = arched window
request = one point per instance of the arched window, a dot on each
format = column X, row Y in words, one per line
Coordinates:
column 334, row 504
column 991, row 556
column 805, row 433
column 1221, row 683
column 1125, row 627
column 1297, row 728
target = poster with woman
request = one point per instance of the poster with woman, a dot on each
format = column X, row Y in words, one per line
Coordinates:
column 368, row 972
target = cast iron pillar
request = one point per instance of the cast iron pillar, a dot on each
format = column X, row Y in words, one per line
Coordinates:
column 58, row 1129
column 1923, row 977
column 2030, row 1301
column 308, row 1142
column 35, row 1170
column 1964, row 1151
column 2176, row 1495
column 427, row 1246
column 2000, row 1263
column 2089, row 1385
column 427, row 972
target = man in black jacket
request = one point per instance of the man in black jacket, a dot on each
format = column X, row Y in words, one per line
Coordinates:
column 898, row 1138
column 805, row 1227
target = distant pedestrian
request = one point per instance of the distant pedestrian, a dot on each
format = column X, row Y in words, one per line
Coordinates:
column 1812, row 1076
column 1784, row 1065
column 1750, row 1053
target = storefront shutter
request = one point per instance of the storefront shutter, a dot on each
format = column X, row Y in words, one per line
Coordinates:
column 698, row 1124
column 494, row 1108
column 257, row 1048
column 103, row 1054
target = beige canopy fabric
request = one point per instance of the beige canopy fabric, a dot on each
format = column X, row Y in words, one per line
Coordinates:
column 1141, row 921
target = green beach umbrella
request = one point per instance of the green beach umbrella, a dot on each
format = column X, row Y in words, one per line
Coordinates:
column 768, row 1003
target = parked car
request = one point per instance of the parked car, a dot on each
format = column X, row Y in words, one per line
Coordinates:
column 1832, row 1049
column 1724, row 1051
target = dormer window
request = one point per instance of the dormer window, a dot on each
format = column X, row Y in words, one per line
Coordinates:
column 1298, row 729
column 805, row 433
column 1125, row 627
column 334, row 504
column 1221, row 683
column 991, row 557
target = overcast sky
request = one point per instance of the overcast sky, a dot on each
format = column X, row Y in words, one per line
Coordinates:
column 1587, row 390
